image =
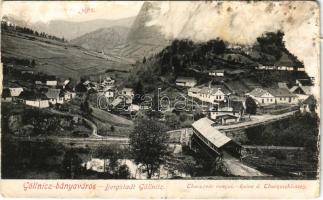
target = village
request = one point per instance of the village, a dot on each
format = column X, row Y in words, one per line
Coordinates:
column 225, row 99
column 225, row 110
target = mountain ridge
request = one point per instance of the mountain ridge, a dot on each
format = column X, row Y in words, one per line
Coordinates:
column 71, row 29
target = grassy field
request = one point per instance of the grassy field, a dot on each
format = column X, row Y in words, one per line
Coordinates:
column 105, row 120
column 57, row 58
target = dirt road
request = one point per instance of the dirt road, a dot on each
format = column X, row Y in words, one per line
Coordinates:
column 237, row 168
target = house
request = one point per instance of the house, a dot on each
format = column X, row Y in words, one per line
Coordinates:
column 186, row 81
column 134, row 108
column 89, row 85
column 54, row 96
column 109, row 93
column 108, row 81
column 37, row 103
column 304, row 82
column 127, row 92
column 214, row 94
column 51, row 83
column 303, row 92
column 66, row 82
column 231, row 112
column 26, row 71
column 34, row 99
column 15, row 92
column 6, row 95
column 68, row 95
column 282, row 85
column 308, row 105
column 70, row 86
column 273, row 96
column 218, row 73
column 107, row 84
column 235, row 72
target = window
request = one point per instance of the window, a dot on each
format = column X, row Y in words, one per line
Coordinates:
column 280, row 98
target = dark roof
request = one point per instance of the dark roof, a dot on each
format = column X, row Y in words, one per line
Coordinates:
column 237, row 106
column 70, row 86
column 280, row 92
column 305, row 82
column 257, row 92
column 310, row 100
column 305, row 89
column 277, row 92
column 214, row 89
column 32, row 95
column 185, row 79
column 53, row 93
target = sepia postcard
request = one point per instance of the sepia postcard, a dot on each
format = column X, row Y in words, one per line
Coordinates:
column 160, row 99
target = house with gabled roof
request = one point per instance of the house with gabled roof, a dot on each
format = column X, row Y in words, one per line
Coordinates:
column 267, row 96
column 186, row 81
column 16, row 91
column 54, row 96
column 214, row 94
column 309, row 104
column 302, row 92
column 34, row 99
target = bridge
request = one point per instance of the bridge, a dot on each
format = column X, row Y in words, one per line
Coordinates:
column 255, row 121
column 214, row 138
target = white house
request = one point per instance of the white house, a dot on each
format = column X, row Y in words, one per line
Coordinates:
column 128, row 92
column 51, row 83
column 68, row 95
column 15, row 92
column 186, row 81
column 37, row 103
column 54, row 96
column 219, row 73
column 273, row 96
column 214, row 94
column 109, row 93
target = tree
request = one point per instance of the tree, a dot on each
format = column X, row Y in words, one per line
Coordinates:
column 112, row 128
column 122, row 172
column 251, row 106
column 108, row 152
column 144, row 60
column 33, row 63
column 71, row 164
column 148, row 145
column 139, row 92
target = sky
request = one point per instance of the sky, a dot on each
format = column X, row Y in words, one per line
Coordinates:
column 71, row 11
